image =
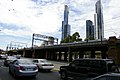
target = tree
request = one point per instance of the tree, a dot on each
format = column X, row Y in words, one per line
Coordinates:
column 74, row 38
column 66, row 40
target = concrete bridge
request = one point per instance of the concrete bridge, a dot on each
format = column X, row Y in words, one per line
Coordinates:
column 69, row 51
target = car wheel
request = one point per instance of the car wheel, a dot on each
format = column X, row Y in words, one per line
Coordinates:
column 64, row 75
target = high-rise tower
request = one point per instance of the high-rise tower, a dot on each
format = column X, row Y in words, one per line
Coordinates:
column 99, row 24
column 65, row 25
column 89, row 30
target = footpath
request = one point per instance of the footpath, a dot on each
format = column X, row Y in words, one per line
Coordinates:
column 57, row 64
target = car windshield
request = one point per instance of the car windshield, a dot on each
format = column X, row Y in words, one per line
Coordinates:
column 43, row 60
column 25, row 61
column 11, row 57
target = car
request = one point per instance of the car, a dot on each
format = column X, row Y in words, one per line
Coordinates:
column 8, row 60
column 107, row 76
column 17, row 56
column 43, row 64
column 87, row 67
column 23, row 68
column 3, row 56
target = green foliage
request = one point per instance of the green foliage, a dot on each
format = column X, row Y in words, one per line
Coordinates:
column 89, row 39
column 74, row 38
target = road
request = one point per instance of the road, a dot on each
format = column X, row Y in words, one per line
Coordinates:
column 53, row 75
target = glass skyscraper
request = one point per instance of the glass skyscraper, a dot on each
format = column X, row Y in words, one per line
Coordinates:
column 89, row 30
column 65, row 26
column 98, row 18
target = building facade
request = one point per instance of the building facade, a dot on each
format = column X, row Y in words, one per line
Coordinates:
column 65, row 26
column 89, row 30
column 98, row 19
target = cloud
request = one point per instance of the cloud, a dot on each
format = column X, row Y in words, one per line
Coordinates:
column 22, row 18
column 111, row 18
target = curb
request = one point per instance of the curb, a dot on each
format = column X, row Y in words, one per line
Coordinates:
column 55, row 69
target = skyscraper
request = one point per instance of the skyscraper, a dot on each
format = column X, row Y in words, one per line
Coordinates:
column 89, row 29
column 65, row 25
column 98, row 18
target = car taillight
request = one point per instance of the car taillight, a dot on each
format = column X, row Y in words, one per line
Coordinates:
column 20, row 68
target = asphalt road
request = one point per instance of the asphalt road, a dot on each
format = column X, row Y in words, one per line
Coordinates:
column 53, row 75
column 42, row 75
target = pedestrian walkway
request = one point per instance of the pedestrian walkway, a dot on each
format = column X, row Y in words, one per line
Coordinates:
column 57, row 64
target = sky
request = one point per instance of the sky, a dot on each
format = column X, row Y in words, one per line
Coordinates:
column 19, row 19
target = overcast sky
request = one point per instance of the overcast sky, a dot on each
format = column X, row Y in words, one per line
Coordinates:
column 19, row 19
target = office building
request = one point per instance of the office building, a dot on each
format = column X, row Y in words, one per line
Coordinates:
column 65, row 26
column 98, row 19
column 89, row 30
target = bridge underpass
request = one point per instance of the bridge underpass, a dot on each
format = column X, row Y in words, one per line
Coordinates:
column 67, row 52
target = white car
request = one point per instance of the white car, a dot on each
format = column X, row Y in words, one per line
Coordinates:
column 8, row 60
column 43, row 64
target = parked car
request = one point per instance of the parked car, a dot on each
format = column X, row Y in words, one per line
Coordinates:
column 108, row 76
column 8, row 60
column 17, row 56
column 23, row 67
column 43, row 64
column 3, row 56
column 87, row 67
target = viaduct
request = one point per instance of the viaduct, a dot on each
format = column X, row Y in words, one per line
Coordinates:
column 69, row 51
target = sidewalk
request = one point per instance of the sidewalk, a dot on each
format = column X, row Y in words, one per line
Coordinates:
column 57, row 64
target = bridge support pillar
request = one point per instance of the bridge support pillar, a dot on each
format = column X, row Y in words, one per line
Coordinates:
column 60, row 54
column 33, row 54
column 65, row 56
column 70, row 57
column 81, row 54
column 50, row 55
column 23, row 53
column 46, row 55
column 54, row 56
column 75, row 55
